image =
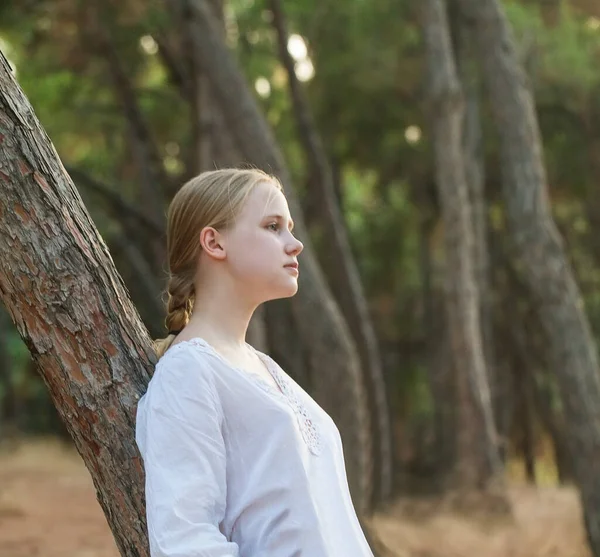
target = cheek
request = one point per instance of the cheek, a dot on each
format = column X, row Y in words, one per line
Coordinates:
column 254, row 254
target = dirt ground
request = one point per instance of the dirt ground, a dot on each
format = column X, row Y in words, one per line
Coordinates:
column 48, row 508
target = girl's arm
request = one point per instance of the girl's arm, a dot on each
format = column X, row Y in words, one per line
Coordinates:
column 180, row 439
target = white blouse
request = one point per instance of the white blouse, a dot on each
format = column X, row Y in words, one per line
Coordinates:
column 236, row 468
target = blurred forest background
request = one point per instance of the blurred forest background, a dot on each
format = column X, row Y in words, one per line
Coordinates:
column 132, row 110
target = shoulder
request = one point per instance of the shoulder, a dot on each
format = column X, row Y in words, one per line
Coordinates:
column 181, row 398
column 186, row 366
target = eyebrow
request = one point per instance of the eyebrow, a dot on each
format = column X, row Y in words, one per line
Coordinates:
column 281, row 217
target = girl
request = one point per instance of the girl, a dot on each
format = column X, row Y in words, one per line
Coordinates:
column 239, row 459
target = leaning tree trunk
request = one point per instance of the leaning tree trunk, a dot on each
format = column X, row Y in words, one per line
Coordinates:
column 571, row 351
column 342, row 269
column 477, row 460
column 71, row 308
column 332, row 356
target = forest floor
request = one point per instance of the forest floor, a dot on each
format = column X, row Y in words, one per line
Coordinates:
column 48, row 508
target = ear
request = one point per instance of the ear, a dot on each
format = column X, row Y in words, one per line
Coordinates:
column 211, row 241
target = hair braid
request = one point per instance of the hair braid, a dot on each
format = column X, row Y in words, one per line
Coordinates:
column 180, row 292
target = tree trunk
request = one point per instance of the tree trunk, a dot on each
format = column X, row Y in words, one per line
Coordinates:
column 152, row 177
column 343, row 273
column 475, row 175
column 144, row 289
column 224, row 151
column 553, row 423
column 133, row 264
column 572, row 352
column 201, row 102
column 532, row 349
column 442, row 384
column 332, row 355
column 282, row 339
column 257, row 330
column 202, row 118
column 478, row 461
column 71, row 308
column 435, row 333
column 526, row 421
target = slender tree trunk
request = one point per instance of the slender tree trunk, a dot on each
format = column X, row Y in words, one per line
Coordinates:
column 437, row 360
column 257, row 330
column 146, row 152
column 572, row 352
column 553, row 422
column 526, row 422
column 478, row 461
column 532, row 351
column 501, row 305
column 226, row 151
column 133, row 264
column 333, row 358
column 475, row 175
column 71, row 308
column 202, row 117
column 443, row 387
column 207, row 120
column 283, row 342
column 201, row 102
column 343, row 273
column 143, row 284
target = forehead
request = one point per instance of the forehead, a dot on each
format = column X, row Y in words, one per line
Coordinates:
column 265, row 199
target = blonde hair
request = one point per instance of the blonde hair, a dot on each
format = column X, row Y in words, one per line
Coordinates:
column 214, row 198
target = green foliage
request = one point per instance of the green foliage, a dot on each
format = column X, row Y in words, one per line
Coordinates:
column 563, row 56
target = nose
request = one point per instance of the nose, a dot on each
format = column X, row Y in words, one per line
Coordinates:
column 294, row 247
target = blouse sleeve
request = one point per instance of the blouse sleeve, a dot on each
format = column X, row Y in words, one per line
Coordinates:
column 178, row 432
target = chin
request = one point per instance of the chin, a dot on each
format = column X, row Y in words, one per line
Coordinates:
column 292, row 292
column 289, row 291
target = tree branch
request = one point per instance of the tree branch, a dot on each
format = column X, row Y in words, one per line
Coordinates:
column 119, row 205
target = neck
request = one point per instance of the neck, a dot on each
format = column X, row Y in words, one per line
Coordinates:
column 221, row 319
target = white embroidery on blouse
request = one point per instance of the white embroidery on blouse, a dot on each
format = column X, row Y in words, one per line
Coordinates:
column 287, row 392
column 308, row 429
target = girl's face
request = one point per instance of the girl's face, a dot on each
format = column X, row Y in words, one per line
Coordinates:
column 260, row 246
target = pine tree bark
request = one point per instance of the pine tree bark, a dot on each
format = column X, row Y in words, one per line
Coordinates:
column 572, row 352
column 477, row 461
column 332, row 355
column 71, row 308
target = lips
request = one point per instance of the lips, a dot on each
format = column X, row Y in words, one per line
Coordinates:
column 292, row 266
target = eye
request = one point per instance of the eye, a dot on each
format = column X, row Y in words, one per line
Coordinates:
column 273, row 226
